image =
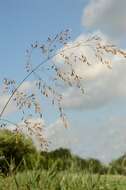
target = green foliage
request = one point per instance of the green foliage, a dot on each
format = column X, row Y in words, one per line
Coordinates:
column 118, row 166
column 61, row 158
column 14, row 149
column 66, row 180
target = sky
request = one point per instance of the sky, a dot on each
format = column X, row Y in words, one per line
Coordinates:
column 97, row 119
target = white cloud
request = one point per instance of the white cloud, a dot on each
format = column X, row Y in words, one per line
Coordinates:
column 27, row 85
column 58, row 135
column 109, row 140
column 11, row 108
column 97, row 80
column 107, row 16
column 104, row 142
column 106, row 87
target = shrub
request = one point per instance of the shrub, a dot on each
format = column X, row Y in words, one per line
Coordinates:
column 14, row 149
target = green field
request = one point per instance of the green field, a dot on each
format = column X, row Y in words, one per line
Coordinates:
column 50, row 180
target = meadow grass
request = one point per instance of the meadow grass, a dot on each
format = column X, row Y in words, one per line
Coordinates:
column 66, row 180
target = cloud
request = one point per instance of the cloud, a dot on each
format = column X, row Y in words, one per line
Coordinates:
column 11, row 108
column 105, row 142
column 59, row 136
column 108, row 141
column 27, row 85
column 97, row 80
column 100, row 90
column 107, row 16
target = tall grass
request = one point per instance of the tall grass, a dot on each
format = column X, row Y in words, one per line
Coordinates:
column 66, row 180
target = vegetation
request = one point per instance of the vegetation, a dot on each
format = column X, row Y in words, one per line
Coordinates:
column 22, row 167
column 52, row 180
column 14, row 148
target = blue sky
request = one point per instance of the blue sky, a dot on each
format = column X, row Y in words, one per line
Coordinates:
column 23, row 22
column 96, row 128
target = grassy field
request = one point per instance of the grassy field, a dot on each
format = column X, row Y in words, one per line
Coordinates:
column 50, row 180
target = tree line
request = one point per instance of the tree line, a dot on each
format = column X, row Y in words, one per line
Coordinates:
column 17, row 153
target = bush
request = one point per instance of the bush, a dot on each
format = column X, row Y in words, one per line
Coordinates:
column 14, row 149
column 118, row 166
